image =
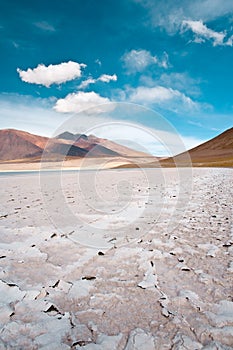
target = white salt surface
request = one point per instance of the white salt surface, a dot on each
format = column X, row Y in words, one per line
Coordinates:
column 123, row 259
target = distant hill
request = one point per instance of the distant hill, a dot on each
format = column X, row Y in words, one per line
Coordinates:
column 17, row 145
column 215, row 152
column 101, row 145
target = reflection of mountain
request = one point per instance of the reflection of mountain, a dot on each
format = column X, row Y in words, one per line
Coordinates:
column 215, row 152
column 21, row 145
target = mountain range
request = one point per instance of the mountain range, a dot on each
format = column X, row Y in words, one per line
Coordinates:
column 23, row 147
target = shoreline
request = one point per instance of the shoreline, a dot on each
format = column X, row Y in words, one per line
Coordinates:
column 89, row 164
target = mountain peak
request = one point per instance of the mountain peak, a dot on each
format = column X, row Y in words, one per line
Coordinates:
column 67, row 135
column 21, row 145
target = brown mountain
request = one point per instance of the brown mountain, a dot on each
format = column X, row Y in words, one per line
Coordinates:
column 215, row 152
column 99, row 146
column 16, row 144
column 23, row 146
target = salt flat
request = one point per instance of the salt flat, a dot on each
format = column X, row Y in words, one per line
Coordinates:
column 117, row 259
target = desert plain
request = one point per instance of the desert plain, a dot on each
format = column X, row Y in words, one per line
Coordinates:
column 117, row 259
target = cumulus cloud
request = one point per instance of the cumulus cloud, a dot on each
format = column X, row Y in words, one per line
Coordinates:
column 163, row 97
column 138, row 60
column 52, row 74
column 81, row 101
column 105, row 78
column 204, row 33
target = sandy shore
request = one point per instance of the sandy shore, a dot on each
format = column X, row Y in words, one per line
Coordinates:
column 117, row 259
column 73, row 164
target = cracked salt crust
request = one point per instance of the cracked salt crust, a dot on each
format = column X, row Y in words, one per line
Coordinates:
column 162, row 290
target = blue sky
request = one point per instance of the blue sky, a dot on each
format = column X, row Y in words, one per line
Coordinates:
column 174, row 57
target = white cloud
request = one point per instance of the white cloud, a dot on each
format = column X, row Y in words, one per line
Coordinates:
column 138, row 60
column 182, row 82
column 229, row 41
column 52, row 74
column 45, row 26
column 86, row 83
column 198, row 40
column 203, row 33
column 177, row 81
column 164, row 62
column 105, row 78
column 81, row 101
column 147, row 94
column 165, row 97
column 170, row 14
column 209, row 10
column 36, row 115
